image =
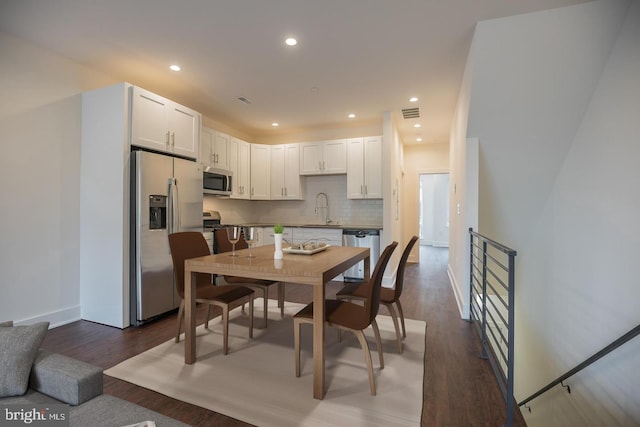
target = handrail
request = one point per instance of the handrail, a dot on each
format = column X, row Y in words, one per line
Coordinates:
column 492, row 273
column 597, row 356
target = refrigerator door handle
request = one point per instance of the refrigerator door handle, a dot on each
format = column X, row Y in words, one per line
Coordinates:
column 172, row 211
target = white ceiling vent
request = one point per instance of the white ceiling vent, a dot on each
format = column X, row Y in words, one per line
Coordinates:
column 411, row 113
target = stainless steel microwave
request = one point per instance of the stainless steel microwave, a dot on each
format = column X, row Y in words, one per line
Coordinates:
column 216, row 182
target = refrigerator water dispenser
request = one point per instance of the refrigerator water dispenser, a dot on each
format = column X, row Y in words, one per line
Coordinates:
column 157, row 212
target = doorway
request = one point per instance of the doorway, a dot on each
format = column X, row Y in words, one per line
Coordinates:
column 434, row 209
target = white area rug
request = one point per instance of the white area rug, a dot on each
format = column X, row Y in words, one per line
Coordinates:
column 256, row 381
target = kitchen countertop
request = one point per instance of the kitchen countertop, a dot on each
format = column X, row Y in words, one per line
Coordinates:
column 335, row 226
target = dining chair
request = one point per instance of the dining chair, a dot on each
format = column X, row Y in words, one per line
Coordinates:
column 352, row 317
column 192, row 244
column 222, row 245
column 388, row 296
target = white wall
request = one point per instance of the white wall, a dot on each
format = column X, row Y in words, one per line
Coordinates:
column 40, row 172
column 555, row 104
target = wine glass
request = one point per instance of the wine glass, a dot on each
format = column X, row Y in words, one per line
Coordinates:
column 249, row 237
column 233, row 234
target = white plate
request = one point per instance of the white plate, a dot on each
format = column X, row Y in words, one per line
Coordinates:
column 304, row 251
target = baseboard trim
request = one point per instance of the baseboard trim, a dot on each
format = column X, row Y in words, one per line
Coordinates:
column 462, row 307
column 55, row 318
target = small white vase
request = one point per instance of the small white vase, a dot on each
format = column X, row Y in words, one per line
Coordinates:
column 278, row 241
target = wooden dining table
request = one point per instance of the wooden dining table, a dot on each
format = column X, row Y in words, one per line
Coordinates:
column 315, row 269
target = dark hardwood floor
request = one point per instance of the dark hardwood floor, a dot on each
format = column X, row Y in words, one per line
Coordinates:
column 459, row 387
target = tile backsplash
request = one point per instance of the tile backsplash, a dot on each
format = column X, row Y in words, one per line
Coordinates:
column 342, row 211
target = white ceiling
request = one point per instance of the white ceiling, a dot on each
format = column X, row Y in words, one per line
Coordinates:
column 353, row 56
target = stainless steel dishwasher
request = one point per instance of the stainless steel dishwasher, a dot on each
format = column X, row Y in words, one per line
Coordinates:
column 361, row 239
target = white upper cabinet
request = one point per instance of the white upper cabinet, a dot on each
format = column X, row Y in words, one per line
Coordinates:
column 260, row 172
column 364, row 172
column 323, row 157
column 286, row 183
column 163, row 125
column 206, row 144
column 239, row 164
column 214, row 148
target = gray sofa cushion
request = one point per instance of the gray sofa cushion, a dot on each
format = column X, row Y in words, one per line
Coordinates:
column 18, row 348
column 109, row 411
column 68, row 380
column 101, row 411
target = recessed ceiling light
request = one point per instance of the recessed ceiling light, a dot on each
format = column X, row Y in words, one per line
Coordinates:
column 417, row 125
column 419, row 139
column 413, row 99
column 351, row 116
column 275, row 124
column 291, row 41
column 174, row 67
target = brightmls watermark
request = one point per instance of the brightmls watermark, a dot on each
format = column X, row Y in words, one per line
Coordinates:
column 41, row 415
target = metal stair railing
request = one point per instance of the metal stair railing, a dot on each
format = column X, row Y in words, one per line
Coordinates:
column 594, row 358
column 491, row 309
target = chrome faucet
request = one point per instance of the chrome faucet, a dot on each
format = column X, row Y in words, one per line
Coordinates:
column 326, row 206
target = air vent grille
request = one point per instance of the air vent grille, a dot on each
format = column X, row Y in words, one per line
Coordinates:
column 411, row 113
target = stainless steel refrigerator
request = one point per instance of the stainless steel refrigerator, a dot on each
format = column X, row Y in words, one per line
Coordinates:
column 166, row 197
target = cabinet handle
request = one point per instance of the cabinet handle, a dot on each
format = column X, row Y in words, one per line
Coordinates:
column 173, row 139
column 251, row 191
column 285, row 191
column 361, row 190
column 366, row 190
column 167, row 143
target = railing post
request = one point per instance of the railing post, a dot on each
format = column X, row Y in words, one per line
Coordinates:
column 511, row 334
column 484, row 300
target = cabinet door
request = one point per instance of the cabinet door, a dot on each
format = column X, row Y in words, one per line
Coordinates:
column 185, row 130
column 260, row 172
column 206, row 142
column 278, row 172
column 292, row 181
column 355, row 170
column 310, row 158
column 220, row 151
column 335, row 157
column 150, row 120
column 373, row 167
column 239, row 165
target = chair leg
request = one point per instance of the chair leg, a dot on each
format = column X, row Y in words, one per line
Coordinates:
column 206, row 321
column 367, row 356
column 404, row 331
column 180, row 317
column 394, row 317
column 250, row 317
column 281, row 298
column 376, row 332
column 225, row 328
column 265, row 306
column 296, row 344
